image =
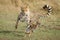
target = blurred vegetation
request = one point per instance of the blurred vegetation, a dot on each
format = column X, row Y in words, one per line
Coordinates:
column 48, row 30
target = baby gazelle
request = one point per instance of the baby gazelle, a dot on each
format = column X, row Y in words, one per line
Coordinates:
column 23, row 16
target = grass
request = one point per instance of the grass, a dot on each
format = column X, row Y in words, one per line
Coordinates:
column 48, row 30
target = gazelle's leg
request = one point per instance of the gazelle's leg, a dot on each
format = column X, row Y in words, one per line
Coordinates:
column 17, row 22
column 28, row 29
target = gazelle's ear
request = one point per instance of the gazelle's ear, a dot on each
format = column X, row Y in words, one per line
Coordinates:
column 21, row 9
column 27, row 6
column 22, row 6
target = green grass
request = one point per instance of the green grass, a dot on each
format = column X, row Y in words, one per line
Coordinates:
column 48, row 30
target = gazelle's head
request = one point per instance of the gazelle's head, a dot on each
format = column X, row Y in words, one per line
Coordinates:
column 25, row 9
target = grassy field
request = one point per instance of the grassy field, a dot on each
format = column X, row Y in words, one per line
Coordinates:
column 48, row 30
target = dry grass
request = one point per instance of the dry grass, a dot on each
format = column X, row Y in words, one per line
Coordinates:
column 48, row 30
